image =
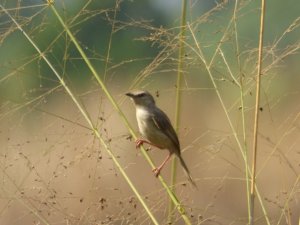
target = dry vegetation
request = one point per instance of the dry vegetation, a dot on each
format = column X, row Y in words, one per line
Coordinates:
column 67, row 130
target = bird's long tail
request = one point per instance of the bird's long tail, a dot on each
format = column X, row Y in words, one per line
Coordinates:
column 186, row 171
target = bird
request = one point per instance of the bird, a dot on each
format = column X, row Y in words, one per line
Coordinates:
column 156, row 127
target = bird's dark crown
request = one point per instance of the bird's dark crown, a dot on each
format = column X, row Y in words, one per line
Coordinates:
column 141, row 98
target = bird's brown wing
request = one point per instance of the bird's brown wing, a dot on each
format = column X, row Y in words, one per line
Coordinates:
column 163, row 123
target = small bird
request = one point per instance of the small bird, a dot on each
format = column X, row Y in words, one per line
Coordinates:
column 156, row 127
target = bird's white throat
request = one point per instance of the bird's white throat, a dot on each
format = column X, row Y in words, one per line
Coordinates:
column 142, row 116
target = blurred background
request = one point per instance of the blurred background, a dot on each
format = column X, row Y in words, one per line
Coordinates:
column 54, row 171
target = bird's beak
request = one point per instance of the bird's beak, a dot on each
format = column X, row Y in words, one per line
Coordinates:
column 129, row 95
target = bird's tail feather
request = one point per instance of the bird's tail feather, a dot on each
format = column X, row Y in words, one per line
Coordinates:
column 186, row 171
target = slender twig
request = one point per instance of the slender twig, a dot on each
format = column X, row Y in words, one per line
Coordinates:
column 86, row 116
column 30, row 206
column 294, row 190
column 242, row 109
column 115, row 105
column 288, row 132
column 117, row 3
column 199, row 53
column 256, row 116
column 178, row 98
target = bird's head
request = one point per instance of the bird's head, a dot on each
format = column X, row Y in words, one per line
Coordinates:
column 141, row 98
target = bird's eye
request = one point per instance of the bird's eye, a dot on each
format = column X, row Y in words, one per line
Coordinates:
column 141, row 95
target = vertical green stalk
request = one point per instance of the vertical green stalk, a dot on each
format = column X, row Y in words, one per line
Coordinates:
column 256, row 116
column 200, row 54
column 245, row 148
column 178, row 98
column 171, row 194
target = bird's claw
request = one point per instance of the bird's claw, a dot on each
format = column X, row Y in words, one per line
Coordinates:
column 156, row 171
column 138, row 143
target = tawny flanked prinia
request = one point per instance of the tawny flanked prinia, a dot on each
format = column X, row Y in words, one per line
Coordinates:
column 156, row 127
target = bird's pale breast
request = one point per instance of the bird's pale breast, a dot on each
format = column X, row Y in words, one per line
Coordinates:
column 149, row 129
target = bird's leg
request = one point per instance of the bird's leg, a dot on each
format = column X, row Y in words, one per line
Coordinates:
column 158, row 169
column 139, row 142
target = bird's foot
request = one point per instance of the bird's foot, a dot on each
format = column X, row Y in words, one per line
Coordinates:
column 139, row 142
column 156, row 171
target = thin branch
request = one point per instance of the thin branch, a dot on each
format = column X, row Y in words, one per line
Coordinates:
column 256, row 116
column 178, row 97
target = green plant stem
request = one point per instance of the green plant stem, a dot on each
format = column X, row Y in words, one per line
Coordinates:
column 172, row 196
column 87, row 118
column 256, row 112
column 199, row 53
column 242, row 111
column 178, row 99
